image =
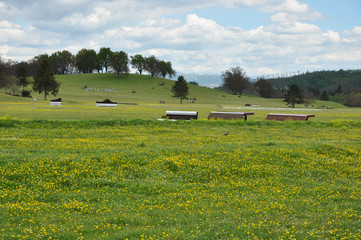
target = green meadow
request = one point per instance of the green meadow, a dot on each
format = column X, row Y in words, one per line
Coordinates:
column 79, row 104
column 84, row 172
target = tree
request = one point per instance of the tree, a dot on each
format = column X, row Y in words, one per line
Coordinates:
column 293, row 96
column 103, row 57
column 119, row 62
column 66, row 62
column 7, row 79
column 324, row 96
column 180, row 89
column 4, row 68
column 152, row 66
column 235, row 80
column 85, row 60
column 44, row 80
column 165, row 68
column 138, row 62
column 264, row 88
column 22, row 77
column 353, row 99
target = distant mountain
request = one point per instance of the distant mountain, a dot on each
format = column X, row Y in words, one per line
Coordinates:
column 205, row 80
column 330, row 81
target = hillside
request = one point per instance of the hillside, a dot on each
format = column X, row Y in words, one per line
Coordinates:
column 322, row 80
column 146, row 93
column 141, row 89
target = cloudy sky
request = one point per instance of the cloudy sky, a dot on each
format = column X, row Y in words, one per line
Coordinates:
column 204, row 36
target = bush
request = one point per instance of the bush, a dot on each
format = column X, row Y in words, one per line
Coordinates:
column 25, row 93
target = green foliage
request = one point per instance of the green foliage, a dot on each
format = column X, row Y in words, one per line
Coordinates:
column 119, row 62
column 22, row 77
column 152, row 66
column 264, row 88
column 324, row 96
column 235, row 80
column 103, row 59
column 293, row 96
column 165, row 68
column 138, row 62
column 180, row 89
column 336, row 81
column 44, row 80
column 61, row 62
column 354, row 99
column 25, row 93
column 85, row 60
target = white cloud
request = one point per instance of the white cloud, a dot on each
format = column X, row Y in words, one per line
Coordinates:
column 99, row 17
column 293, row 10
column 288, row 42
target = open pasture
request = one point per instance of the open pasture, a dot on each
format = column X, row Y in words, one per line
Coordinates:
column 79, row 103
column 41, row 109
column 145, row 179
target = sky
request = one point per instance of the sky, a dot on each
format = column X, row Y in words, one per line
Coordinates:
column 263, row 37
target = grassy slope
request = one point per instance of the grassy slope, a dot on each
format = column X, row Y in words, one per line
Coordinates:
column 80, row 104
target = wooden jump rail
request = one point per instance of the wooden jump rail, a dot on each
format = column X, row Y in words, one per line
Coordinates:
column 180, row 115
column 283, row 116
column 229, row 115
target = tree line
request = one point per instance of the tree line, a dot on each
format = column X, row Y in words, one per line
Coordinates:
column 88, row 61
column 235, row 81
column 15, row 75
column 343, row 86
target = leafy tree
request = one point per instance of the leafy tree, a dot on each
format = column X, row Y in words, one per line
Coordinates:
column 85, row 60
column 66, row 62
column 22, row 77
column 180, row 89
column 138, row 62
column 3, row 73
column 324, row 96
column 165, row 69
column 264, row 88
column 152, row 66
column 61, row 61
column 44, row 80
column 103, row 58
column 119, row 62
column 353, row 99
column 235, row 80
column 294, row 95
column 7, row 79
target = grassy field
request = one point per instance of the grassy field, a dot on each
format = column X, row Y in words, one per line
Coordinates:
column 80, row 104
column 145, row 179
column 83, row 172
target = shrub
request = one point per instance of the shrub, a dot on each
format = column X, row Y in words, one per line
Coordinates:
column 25, row 93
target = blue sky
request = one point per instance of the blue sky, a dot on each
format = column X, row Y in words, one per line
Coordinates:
column 263, row 37
column 338, row 15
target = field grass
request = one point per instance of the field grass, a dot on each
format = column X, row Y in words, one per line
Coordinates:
column 145, row 179
column 84, row 172
column 79, row 104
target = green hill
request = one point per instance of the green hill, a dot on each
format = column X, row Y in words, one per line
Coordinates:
column 80, row 92
column 140, row 89
column 322, row 80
